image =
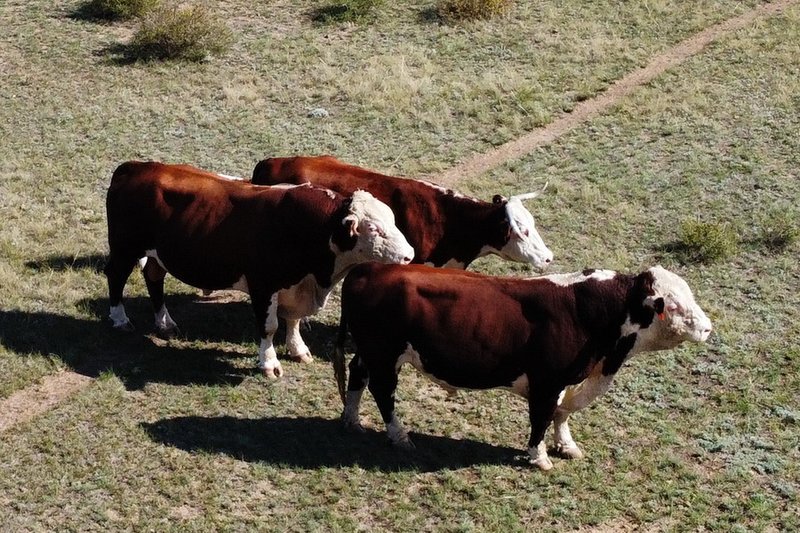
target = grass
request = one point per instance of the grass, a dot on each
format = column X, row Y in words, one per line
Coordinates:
column 184, row 436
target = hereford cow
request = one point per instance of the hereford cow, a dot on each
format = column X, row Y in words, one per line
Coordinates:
column 217, row 233
column 445, row 228
column 556, row 340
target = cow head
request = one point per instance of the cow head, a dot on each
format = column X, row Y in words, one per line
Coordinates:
column 522, row 242
column 368, row 233
column 676, row 317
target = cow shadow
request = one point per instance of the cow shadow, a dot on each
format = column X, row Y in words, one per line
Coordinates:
column 60, row 263
column 313, row 442
column 92, row 347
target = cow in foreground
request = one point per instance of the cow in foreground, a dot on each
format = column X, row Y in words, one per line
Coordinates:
column 216, row 233
column 556, row 340
column 445, row 228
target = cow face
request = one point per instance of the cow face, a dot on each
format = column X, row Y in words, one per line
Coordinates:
column 371, row 226
column 523, row 243
column 677, row 317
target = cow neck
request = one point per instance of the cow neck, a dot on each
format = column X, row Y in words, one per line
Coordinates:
column 467, row 224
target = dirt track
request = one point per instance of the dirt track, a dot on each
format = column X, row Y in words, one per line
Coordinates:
column 32, row 401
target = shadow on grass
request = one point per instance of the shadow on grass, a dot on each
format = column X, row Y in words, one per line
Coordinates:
column 92, row 346
column 316, row 442
column 60, row 263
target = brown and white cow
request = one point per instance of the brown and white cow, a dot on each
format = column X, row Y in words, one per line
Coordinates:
column 217, row 233
column 556, row 340
column 445, row 228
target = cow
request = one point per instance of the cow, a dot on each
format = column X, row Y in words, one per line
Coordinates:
column 555, row 340
column 216, row 233
column 446, row 229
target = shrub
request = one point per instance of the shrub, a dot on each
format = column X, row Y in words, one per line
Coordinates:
column 346, row 11
column 456, row 10
column 779, row 229
column 188, row 33
column 706, row 241
column 118, row 9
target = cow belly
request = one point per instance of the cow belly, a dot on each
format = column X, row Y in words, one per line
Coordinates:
column 302, row 299
column 202, row 273
column 460, row 377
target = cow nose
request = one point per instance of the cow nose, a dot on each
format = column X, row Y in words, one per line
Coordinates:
column 407, row 260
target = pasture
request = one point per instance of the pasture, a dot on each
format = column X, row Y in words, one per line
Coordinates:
column 184, row 435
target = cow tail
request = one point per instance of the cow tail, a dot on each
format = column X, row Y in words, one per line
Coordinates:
column 339, row 369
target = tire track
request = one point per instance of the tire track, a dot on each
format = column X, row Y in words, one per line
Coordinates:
column 483, row 162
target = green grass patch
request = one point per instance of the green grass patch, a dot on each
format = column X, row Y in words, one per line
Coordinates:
column 180, row 32
column 461, row 10
column 117, row 9
column 354, row 11
column 705, row 242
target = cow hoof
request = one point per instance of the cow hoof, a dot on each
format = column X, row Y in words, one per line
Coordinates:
column 569, row 452
column 125, row 326
column 404, row 445
column 302, row 358
column 272, row 373
column 543, row 463
column 168, row 333
column 354, row 427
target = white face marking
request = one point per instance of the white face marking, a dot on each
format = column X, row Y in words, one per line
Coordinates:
column 525, row 245
column 682, row 319
column 378, row 237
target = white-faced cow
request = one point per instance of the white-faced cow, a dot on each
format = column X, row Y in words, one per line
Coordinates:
column 445, row 228
column 556, row 340
column 216, row 233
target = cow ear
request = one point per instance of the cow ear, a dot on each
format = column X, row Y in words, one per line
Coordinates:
column 656, row 304
column 498, row 199
column 351, row 222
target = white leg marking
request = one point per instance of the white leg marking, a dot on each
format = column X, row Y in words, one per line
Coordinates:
column 398, row 434
column 164, row 323
column 267, row 358
column 119, row 319
column 539, row 456
column 352, row 405
column 298, row 350
column 573, row 399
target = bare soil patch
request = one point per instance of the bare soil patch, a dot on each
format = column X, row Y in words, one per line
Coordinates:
column 32, row 401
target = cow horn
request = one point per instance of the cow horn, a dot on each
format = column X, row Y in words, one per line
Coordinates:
column 529, row 195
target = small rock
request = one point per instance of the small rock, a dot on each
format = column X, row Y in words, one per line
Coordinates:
column 318, row 112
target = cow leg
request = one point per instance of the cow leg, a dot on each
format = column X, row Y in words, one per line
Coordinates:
column 153, row 274
column 356, row 384
column 117, row 271
column 298, row 351
column 265, row 305
column 541, row 408
column 576, row 398
column 382, row 385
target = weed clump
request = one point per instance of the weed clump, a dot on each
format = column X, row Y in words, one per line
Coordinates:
column 457, row 10
column 119, row 9
column 779, row 230
column 346, row 11
column 706, row 242
column 189, row 33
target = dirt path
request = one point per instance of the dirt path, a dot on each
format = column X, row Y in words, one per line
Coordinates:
column 481, row 163
column 32, row 401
